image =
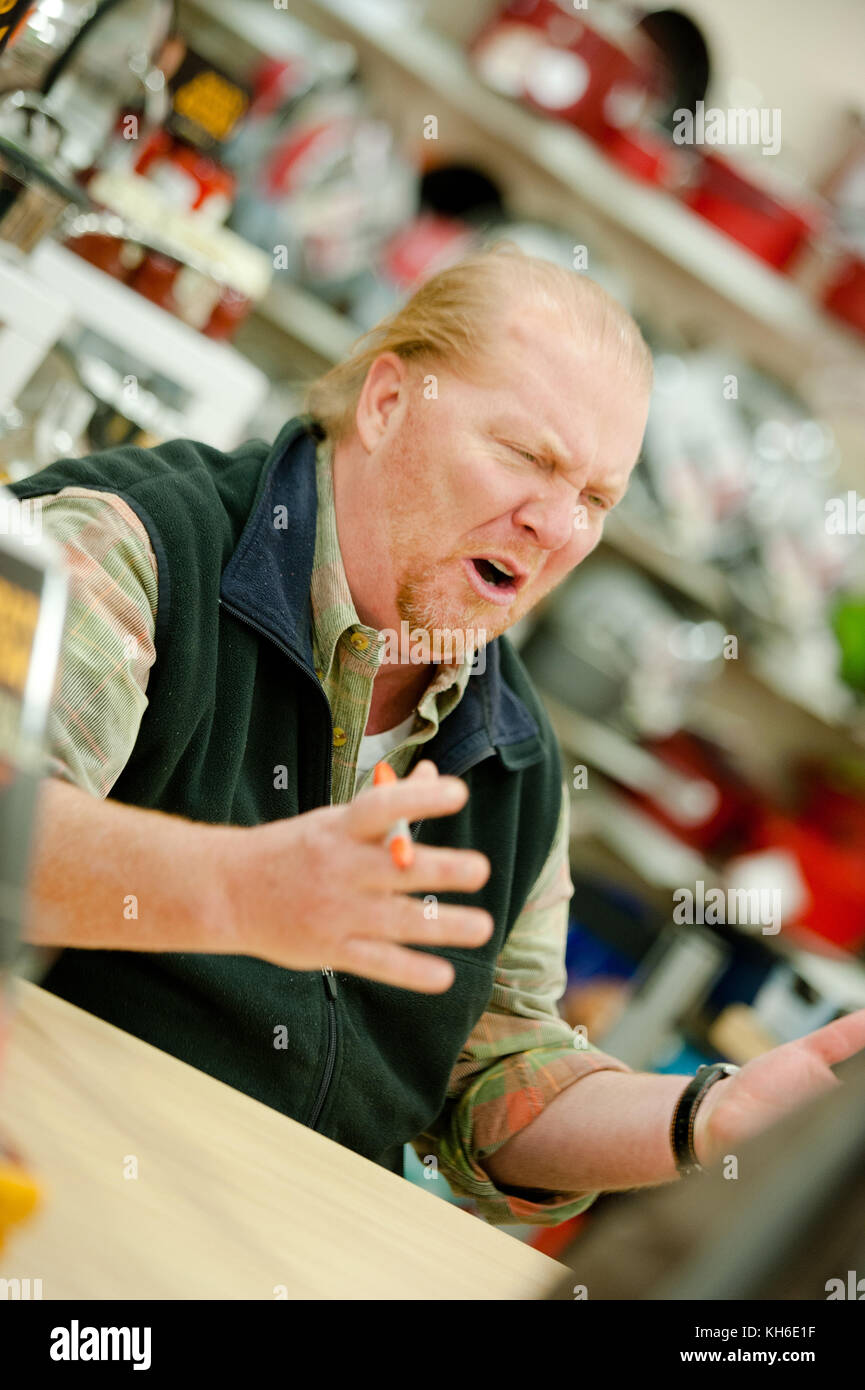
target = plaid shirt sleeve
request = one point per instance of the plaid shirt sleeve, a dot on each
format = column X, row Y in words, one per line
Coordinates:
column 108, row 641
column 521, row 1054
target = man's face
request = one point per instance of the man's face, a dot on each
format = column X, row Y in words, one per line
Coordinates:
column 520, row 470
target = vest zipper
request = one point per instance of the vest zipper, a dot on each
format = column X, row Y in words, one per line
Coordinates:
column 328, row 977
column 330, row 991
column 329, row 980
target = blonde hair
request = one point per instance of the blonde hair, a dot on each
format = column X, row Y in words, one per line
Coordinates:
column 456, row 317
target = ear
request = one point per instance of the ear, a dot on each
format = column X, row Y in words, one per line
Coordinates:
column 382, row 399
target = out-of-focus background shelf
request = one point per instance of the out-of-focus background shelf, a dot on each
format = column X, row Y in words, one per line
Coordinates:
column 308, row 322
column 683, row 266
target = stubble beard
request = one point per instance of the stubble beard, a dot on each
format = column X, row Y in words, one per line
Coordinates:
column 421, row 604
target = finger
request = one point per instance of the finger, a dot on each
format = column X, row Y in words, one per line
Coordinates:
column 393, row 965
column 432, row 870
column 425, row 770
column 408, row 921
column 373, row 812
column 837, row 1041
column 411, row 923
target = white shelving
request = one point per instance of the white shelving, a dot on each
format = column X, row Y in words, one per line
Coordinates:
column 223, row 389
column 308, row 320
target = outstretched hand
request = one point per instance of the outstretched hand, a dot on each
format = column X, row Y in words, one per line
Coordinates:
column 320, row 888
column 770, row 1086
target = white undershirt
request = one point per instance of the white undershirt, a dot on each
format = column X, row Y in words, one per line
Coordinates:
column 374, row 747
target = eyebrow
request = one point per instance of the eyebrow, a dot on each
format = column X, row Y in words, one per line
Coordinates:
column 546, row 444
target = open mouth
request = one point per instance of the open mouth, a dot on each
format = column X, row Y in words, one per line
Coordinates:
column 492, row 579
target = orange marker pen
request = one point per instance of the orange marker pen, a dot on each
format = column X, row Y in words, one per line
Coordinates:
column 399, row 836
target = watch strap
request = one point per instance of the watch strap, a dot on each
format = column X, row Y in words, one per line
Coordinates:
column 685, row 1114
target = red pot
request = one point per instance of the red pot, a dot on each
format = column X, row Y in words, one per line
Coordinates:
column 845, row 296
column 647, row 155
column 747, row 213
column 562, row 65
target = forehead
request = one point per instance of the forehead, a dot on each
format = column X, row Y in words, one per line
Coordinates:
column 548, row 376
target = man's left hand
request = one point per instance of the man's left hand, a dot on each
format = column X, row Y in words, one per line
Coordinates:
column 770, row 1086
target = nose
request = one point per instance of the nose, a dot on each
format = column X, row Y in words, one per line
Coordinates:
column 550, row 519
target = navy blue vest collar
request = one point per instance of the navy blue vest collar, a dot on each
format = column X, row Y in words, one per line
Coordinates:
column 267, row 581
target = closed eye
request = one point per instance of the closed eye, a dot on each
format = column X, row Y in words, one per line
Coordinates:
column 527, row 454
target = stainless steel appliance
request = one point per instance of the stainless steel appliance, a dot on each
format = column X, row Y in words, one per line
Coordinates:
column 72, row 67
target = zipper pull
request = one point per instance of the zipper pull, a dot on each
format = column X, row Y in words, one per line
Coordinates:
column 329, row 981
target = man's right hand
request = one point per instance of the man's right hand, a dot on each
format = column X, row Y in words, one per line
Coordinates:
column 319, row 889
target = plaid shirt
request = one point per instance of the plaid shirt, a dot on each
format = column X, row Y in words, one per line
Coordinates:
column 521, row 1054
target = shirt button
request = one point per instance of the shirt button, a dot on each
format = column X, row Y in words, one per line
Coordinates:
column 359, row 641
column 339, row 737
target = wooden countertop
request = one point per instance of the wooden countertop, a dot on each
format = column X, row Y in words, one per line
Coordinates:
column 232, row 1200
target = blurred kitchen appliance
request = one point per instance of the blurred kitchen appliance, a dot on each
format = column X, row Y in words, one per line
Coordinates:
column 71, row 67
column 675, row 976
column 594, row 69
column 89, row 58
column 768, row 222
column 611, row 646
column 33, row 597
column 217, row 389
column 14, row 14
column 32, row 611
column 36, row 183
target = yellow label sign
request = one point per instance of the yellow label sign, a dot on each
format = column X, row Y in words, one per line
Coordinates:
column 210, row 101
column 19, row 610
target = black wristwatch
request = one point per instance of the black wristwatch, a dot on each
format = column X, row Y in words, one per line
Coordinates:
column 685, row 1114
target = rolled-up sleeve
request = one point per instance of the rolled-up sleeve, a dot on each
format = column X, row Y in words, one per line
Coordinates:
column 520, row 1056
column 108, row 640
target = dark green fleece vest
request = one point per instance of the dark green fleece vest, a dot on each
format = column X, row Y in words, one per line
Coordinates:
column 233, row 696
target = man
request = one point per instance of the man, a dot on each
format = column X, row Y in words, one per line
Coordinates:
column 218, row 873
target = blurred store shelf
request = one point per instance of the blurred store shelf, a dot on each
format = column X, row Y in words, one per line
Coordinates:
column 688, row 800
column 308, row 320
column 221, row 388
column 707, row 585
column 692, row 249
column 699, row 581
column 794, row 330
column 706, row 279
